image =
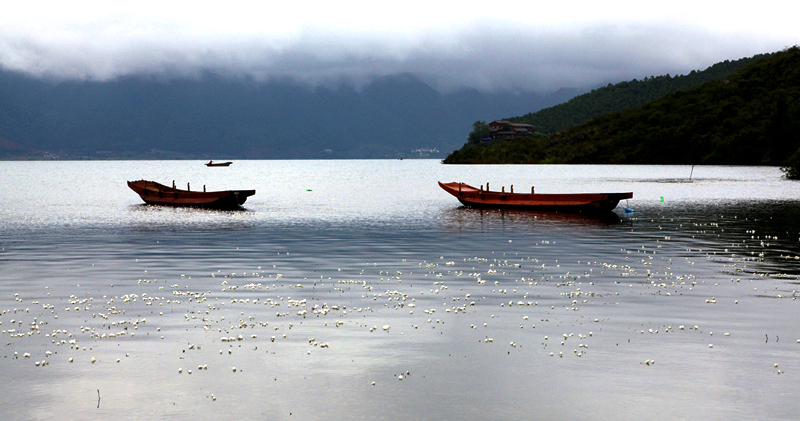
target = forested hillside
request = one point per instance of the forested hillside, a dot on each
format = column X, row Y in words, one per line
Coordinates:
column 750, row 118
column 625, row 95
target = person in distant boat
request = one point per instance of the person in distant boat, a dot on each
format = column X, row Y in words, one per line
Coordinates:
column 210, row 162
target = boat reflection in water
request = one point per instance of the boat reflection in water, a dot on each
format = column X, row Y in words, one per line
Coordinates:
column 464, row 218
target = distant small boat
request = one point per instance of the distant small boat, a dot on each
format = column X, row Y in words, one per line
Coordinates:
column 561, row 202
column 158, row 194
column 218, row 164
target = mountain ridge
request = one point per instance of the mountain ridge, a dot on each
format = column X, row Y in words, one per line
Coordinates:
column 212, row 116
column 750, row 117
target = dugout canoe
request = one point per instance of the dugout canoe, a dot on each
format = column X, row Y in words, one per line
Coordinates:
column 218, row 164
column 158, row 194
column 558, row 202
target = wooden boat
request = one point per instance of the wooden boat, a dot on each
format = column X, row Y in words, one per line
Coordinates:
column 561, row 202
column 218, row 164
column 158, row 194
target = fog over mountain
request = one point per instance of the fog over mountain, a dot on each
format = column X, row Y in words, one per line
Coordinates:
column 505, row 45
column 314, row 71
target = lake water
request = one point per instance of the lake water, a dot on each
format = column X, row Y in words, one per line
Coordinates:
column 361, row 290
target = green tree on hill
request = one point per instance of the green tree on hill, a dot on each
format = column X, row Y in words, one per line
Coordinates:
column 480, row 130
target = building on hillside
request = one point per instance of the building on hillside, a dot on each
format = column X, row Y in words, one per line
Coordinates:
column 502, row 129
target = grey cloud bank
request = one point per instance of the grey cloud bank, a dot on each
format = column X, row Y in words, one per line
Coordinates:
column 498, row 56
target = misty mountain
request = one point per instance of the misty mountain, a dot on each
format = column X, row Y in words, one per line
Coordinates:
column 213, row 116
column 748, row 117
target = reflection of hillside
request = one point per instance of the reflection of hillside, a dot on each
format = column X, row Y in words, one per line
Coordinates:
column 744, row 236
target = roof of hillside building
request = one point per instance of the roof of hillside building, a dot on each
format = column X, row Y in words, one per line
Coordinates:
column 505, row 122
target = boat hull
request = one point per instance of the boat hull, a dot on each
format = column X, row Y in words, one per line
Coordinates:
column 158, row 194
column 220, row 164
column 546, row 202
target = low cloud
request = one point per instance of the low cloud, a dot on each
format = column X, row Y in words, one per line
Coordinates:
column 486, row 57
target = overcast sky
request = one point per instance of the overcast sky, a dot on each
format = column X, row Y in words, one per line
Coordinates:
column 501, row 44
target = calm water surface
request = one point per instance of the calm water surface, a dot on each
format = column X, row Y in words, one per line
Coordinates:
column 360, row 290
